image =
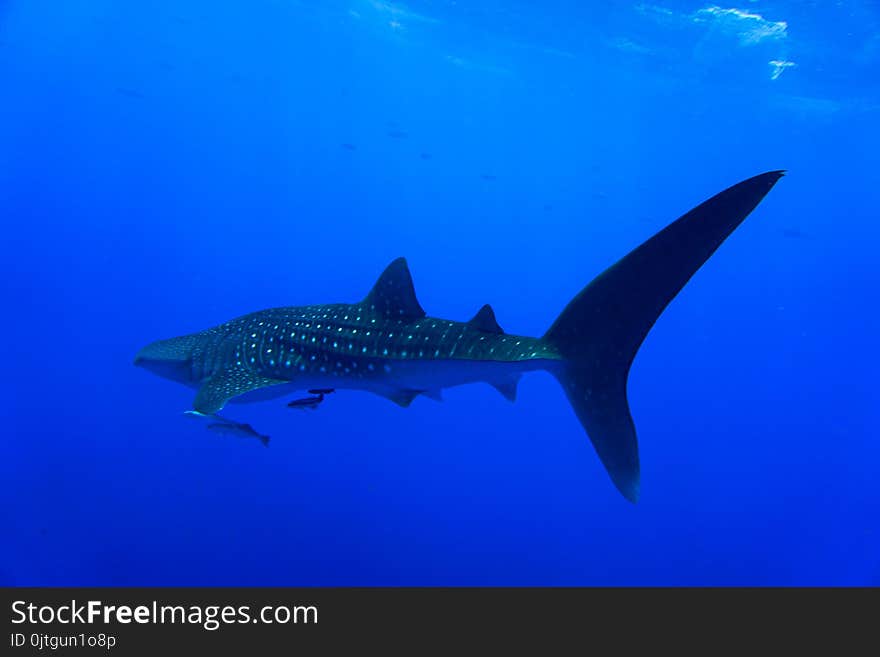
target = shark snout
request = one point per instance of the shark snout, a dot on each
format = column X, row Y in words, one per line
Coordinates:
column 170, row 359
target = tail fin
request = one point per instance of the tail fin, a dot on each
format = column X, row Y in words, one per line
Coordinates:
column 601, row 329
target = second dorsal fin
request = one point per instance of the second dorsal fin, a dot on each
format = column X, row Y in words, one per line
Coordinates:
column 485, row 320
column 393, row 296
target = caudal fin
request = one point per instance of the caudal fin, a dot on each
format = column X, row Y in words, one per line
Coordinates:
column 601, row 329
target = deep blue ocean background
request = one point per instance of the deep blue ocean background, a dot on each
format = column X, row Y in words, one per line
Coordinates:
column 167, row 166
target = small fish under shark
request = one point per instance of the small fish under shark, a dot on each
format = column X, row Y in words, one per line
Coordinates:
column 240, row 429
column 387, row 345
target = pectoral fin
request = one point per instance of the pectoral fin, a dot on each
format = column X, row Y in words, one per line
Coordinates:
column 225, row 385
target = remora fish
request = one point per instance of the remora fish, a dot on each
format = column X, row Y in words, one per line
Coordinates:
column 387, row 345
column 239, row 429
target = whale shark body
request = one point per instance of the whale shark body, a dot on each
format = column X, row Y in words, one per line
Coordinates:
column 387, row 345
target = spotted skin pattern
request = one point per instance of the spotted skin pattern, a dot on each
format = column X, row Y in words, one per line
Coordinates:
column 351, row 340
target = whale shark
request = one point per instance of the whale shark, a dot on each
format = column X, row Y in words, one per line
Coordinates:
column 386, row 344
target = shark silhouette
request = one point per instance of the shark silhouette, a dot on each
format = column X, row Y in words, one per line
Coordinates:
column 386, row 344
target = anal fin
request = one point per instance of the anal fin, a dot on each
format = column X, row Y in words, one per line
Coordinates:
column 507, row 388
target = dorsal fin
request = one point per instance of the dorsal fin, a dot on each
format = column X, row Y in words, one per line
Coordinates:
column 485, row 320
column 393, row 295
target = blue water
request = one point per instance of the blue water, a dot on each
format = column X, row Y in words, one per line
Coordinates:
column 167, row 166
